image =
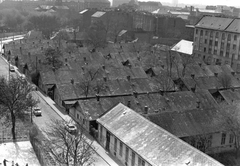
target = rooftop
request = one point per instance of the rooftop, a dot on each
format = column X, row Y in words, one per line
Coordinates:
column 98, row 14
column 184, row 46
column 217, row 23
column 151, row 142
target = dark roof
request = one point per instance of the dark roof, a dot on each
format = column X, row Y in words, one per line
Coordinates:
column 187, row 123
column 234, row 26
column 66, row 91
column 151, row 142
column 230, row 96
column 48, row 77
column 217, row 23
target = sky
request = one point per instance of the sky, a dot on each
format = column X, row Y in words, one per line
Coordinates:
column 204, row 2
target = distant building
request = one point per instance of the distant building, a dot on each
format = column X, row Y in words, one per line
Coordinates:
column 98, row 4
column 149, row 6
column 116, row 3
column 175, row 3
column 217, row 39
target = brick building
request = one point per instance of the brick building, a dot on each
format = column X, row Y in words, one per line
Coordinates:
column 217, row 41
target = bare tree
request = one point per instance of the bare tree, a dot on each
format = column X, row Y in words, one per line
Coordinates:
column 90, row 82
column 53, row 57
column 164, row 83
column 201, row 142
column 229, row 119
column 70, row 149
column 15, row 99
column 225, row 81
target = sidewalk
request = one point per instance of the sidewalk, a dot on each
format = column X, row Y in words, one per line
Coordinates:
column 97, row 147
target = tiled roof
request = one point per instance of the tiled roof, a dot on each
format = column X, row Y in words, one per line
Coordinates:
column 187, row 123
column 154, row 144
column 217, row 23
column 66, row 91
column 230, row 96
column 234, row 26
column 184, row 46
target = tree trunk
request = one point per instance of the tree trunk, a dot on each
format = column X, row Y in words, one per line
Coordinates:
column 13, row 125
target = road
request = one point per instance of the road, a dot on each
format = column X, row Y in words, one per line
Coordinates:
column 49, row 114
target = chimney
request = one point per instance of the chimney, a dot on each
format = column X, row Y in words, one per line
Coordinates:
column 128, row 78
column 98, row 97
column 103, row 66
column 216, row 74
column 72, row 81
column 65, row 59
column 129, row 104
column 233, row 73
column 105, row 79
column 41, row 48
column 198, row 104
column 53, row 68
column 200, row 64
column 33, row 42
column 146, row 110
column 162, row 66
column 135, row 94
column 85, row 59
column 20, row 48
column 193, row 76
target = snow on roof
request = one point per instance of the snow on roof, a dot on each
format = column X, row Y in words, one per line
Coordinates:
column 98, row 14
column 184, row 46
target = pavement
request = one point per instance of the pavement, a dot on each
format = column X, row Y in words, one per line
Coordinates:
column 51, row 112
column 108, row 159
column 19, row 152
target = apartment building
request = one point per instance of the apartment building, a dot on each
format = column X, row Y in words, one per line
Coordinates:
column 217, row 41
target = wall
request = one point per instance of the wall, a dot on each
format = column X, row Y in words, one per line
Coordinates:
column 215, row 46
column 117, row 152
column 77, row 114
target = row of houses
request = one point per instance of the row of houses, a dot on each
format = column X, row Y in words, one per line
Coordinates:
column 137, row 76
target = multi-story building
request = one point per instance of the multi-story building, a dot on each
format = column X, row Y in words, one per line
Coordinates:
column 98, row 4
column 149, row 6
column 217, row 41
column 116, row 3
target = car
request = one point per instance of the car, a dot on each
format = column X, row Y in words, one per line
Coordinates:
column 71, row 128
column 37, row 111
column 11, row 68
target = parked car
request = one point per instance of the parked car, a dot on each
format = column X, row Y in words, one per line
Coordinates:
column 37, row 111
column 71, row 128
column 11, row 68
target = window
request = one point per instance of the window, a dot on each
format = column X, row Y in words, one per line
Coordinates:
column 233, row 56
column 196, row 31
column 234, row 47
column 201, row 33
column 205, row 41
column 221, row 53
column 216, row 34
column 126, row 154
column 205, row 49
column 77, row 116
column 211, row 34
column 215, row 52
column 216, row 43
column 222, row 45
column 227, row 54
column 229, row 37
column 228, row 46
column 210, row 42
column 209, row 50
column 115, row 144
column 133, row 158
column 141, row 162
column 235, row 37
column 121, row 149
column 223, row 36
column 223, row 138
column 206, row 33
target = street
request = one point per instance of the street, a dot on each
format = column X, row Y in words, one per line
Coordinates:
column 49, row 114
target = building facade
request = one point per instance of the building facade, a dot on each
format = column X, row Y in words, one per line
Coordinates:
column 116, row 3
column 217, row 41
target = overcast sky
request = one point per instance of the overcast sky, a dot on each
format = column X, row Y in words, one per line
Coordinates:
column 204, row 2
